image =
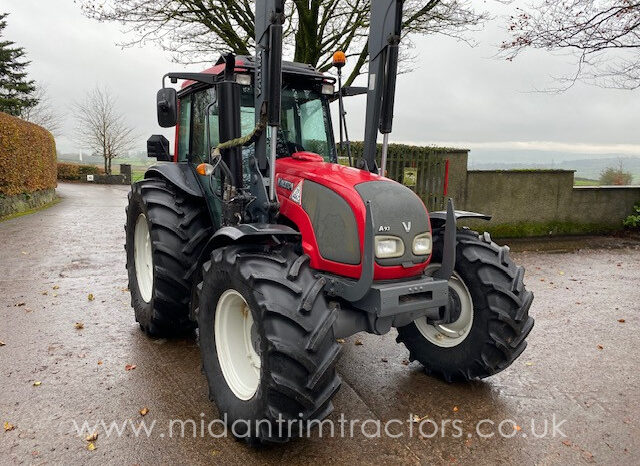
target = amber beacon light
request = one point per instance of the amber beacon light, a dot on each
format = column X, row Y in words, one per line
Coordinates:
column 339, row 59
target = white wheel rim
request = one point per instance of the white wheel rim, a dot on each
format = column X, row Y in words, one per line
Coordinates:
column 239, row 361
column 449, row 335
column 143, row 258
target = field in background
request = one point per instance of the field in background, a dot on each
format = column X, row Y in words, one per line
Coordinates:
column 577, row 181
column 138, row 164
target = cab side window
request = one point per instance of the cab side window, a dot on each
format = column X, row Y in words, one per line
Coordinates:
column 184, row 122
column 200, row 101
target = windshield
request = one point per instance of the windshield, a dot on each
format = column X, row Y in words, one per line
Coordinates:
column 305, row 122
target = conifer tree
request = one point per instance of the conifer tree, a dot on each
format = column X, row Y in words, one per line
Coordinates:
column 16, row 90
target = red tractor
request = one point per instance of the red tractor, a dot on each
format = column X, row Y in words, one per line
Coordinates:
column 257, row 237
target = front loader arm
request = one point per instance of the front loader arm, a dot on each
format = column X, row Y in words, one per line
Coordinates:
column 384, row 39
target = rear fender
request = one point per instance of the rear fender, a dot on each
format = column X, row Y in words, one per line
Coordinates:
column 180, row 175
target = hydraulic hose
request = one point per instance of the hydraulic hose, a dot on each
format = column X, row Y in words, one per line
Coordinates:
column 244, row 140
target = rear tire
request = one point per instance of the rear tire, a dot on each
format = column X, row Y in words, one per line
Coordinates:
column 293, row 338
column 494, row 335
column 177, row 227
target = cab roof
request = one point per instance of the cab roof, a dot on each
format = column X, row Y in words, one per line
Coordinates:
column 246, row 63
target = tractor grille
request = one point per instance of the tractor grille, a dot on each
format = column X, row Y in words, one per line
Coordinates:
column 333, row 224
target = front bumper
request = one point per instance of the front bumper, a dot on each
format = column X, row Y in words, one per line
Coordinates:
column 425, row 295
column 392, row 304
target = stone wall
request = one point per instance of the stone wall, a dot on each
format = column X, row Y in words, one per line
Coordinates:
column 25, row 201
column 545, row 202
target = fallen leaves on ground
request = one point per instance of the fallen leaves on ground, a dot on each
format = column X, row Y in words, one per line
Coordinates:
column 21, row 303
column 384, row 360
column 600, row 347
column 622, row 321
column 125, row 290
column 45, row 293
column 340, row 340
column 567, row 443
column 528, row 364
column 455, row 409
column 91, row 446
column 129, row 367
column 79, row 325
column 517, row 427
column 417, row 418
column 144, row 411
column 358, row 342
column 91, row 297
column 8, row 426
column 405, row 362
column 99, row 363
column 37, row 383
column 92, row 437
column 2, row 343
column 56, row 287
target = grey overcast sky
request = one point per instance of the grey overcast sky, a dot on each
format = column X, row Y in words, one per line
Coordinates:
column 457, row 95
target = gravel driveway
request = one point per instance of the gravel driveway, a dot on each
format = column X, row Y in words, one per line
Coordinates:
column 69, row 337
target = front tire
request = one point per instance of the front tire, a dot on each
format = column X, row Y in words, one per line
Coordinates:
column 274, row 306
column 491, row 311
column 166, row 231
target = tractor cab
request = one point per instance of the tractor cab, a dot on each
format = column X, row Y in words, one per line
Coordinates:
column 305, row 117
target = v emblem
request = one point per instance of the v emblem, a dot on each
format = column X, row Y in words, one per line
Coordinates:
column 407, row 226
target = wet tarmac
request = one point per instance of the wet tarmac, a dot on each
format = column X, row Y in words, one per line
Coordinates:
column 69, row 337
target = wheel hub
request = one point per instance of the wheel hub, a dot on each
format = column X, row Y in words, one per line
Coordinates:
column 448, row 335
column 143, row 258
column 237, row 339
column 455, row 306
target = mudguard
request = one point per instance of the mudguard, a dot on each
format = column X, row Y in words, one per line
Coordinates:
column 233, row 234
column 179, row 174
column 439, row 218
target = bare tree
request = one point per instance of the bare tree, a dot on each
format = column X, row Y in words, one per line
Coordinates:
column 612, row 176
column 603, row 34
column 196, row 30
column 43, row 113
column 101, row 127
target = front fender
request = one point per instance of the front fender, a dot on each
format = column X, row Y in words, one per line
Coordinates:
column 439, row 218
column 249, row 231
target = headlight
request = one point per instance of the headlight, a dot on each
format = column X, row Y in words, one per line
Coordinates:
column 422, row 244
column 389, row 246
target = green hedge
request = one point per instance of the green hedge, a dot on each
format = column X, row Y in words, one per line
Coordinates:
column 422, row 168
column 402, row 150
column 27, row 157
column 77, row 172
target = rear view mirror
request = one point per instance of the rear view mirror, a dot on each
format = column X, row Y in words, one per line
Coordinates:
column 158, row 147
column 167, row 102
